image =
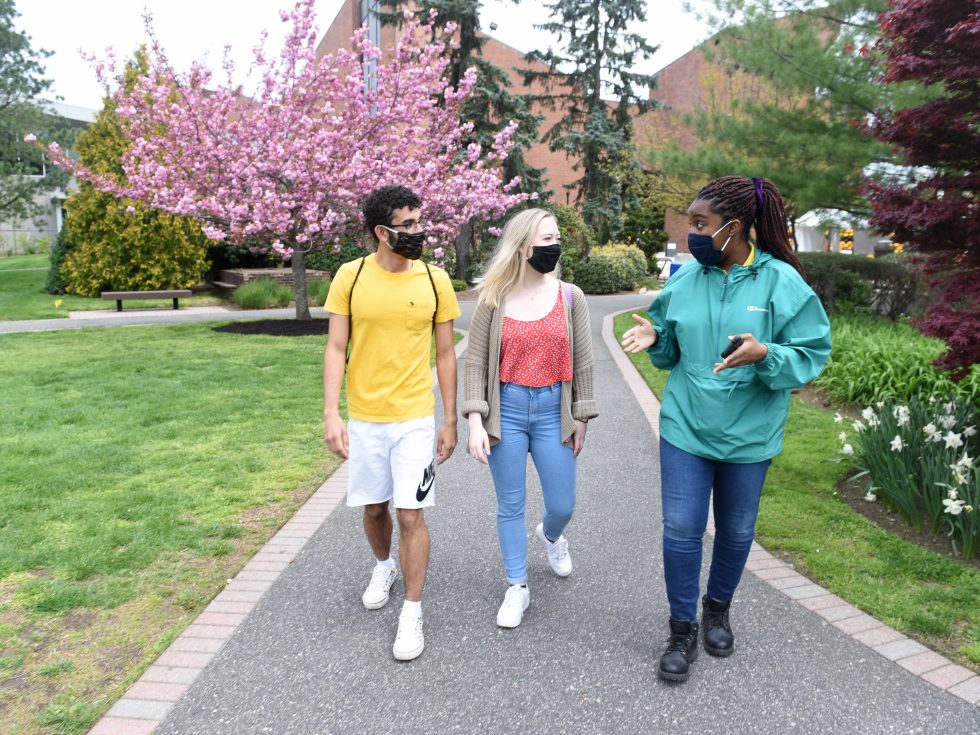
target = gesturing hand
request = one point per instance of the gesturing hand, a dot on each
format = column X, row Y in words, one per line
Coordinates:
column 640, row 337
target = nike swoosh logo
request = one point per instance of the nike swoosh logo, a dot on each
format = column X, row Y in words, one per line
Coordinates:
column 428, row 477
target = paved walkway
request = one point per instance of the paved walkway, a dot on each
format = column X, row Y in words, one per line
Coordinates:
column 288, row 649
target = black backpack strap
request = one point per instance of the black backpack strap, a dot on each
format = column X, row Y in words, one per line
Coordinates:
column 435, row 293
column 350, row 311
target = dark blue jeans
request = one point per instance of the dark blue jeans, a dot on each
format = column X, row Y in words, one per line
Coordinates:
column 686, row 489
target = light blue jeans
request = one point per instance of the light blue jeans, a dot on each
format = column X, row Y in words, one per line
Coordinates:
column 530, row 421
column 688, row 483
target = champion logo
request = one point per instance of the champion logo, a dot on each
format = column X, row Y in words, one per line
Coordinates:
column 756, row 308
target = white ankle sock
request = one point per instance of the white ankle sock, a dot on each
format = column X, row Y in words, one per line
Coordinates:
column 412, row 608
column 388, row 563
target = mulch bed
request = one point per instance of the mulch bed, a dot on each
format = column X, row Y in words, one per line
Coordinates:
column 278, row 327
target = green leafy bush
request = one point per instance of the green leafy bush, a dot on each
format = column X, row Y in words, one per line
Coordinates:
column 316, row 291
column 847, row 283
column 920, row 460
column 459, row 284
column 874, row 359
column 577, row 239
column 611, row 268
column 330, row 258
column 56, row 282
column 263, row 293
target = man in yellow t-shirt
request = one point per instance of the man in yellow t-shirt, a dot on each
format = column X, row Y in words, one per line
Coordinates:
column 389, row 304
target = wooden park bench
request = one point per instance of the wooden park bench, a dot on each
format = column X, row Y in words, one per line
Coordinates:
column 120, row 296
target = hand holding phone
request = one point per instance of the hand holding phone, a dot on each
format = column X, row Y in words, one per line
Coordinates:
column 732, row 346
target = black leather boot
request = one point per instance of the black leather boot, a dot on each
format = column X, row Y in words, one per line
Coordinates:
column 681, row 650
column 717, row 633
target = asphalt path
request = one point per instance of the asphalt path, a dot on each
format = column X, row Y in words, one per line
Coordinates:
column 311, row 659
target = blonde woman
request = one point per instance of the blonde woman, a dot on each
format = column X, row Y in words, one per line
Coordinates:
column 528, row 388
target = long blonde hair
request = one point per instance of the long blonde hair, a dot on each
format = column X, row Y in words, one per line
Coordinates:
column 507, row 266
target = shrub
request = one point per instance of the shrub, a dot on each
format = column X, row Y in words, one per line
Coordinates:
column 611, row 268
column 874, row 359
column 839, row 290
column 56, row 282
column 263, row 293
column 919, row 459
column 329, row 259
column 224, row 256
column 577, row 239
column 316, row 290
column 846, row 283
column 459, row 284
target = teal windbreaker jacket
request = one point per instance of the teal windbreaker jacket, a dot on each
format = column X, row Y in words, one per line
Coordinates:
column 739, row 414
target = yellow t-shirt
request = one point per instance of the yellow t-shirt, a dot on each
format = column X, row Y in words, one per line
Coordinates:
column 751, row 259
column 388, row 377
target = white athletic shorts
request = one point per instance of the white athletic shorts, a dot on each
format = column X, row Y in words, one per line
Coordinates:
column 392, row 461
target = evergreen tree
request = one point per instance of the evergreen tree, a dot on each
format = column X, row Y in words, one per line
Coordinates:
column 598, row 52
column 23, row 171
column 932, row 205
column 794, row 85
column 118, row 244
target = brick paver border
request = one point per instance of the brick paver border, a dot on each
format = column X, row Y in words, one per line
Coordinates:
column 146, row 703
column 907, row 653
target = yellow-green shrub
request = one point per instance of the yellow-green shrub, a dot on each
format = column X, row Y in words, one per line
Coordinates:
column 611, row 268
column 121, row 245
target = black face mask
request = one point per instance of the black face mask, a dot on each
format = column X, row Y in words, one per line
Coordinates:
column 407, row 244
column 544, row 258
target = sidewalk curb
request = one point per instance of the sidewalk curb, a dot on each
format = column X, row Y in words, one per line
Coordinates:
column 146, row 703
column 893, row 645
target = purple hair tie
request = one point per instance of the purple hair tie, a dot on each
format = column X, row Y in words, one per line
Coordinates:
column 760, row 195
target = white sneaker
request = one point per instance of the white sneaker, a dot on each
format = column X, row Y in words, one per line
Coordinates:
column 558, row 558
column 516, row 600
column 376, row 594
column 409, row 641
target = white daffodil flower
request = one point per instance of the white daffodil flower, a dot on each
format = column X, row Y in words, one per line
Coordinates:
column 953, row 507
column 897, row 443
column 953, row 441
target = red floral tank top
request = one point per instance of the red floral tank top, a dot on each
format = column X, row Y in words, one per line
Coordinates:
column 536, row 353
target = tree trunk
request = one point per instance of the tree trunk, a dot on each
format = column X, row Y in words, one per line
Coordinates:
column 299, row 286
column 464, row 242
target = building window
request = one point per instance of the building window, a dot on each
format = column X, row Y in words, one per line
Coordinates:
column 369, row 19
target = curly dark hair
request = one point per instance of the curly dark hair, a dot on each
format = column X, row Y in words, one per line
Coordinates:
column 753, row 201
column 382, row 203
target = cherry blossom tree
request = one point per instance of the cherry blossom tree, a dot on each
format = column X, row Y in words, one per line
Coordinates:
column 291, row 163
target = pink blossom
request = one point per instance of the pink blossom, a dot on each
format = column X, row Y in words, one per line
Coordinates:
column 290, row 161
column 438, row 253
column 30, row 138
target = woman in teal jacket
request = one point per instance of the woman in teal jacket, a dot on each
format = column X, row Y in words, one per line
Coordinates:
column 722, row 419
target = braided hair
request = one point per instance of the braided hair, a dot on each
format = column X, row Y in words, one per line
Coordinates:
column 753, row 202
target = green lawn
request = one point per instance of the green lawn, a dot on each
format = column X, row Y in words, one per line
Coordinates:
column 22, row 294
column 23, row 261
column 141, row 467
column 916, row 591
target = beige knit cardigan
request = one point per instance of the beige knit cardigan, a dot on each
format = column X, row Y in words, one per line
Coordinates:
column 481, row 386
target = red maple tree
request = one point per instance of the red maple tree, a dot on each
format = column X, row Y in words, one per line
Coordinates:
column 932, row 206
